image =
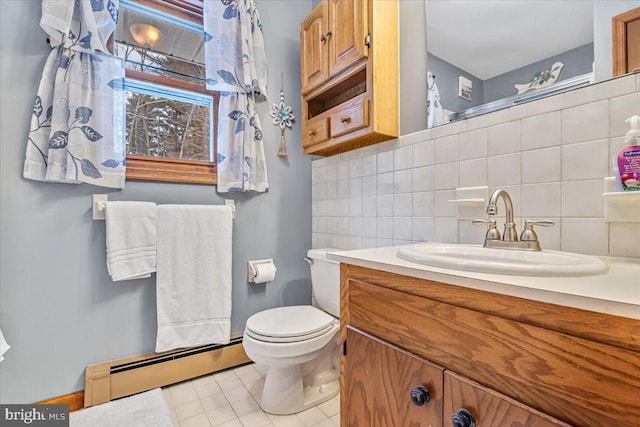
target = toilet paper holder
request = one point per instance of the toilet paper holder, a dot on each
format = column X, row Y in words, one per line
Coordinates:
column 253, row 271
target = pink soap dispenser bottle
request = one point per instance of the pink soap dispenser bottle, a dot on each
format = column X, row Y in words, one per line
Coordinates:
column 626, row 159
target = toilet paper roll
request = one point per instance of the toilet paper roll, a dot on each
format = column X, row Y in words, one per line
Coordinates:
column 265, row 272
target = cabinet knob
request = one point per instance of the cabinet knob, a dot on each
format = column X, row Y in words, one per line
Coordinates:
column 323, row 38
column 463, row 418
column 312, row 132
column 420, row 395
column 328, row 34
column 345, row 119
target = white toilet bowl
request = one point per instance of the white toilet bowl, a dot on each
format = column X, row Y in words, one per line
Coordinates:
column 300, row 344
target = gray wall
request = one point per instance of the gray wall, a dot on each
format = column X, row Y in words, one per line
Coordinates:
column 59, row 310
column 447, row 83
column 576, row 62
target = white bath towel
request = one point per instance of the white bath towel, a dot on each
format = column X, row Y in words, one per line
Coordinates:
column 194, row 276
column 435, row 112
column 131, row 239
column 3, row 347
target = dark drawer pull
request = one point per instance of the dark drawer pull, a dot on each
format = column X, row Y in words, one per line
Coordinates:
column 312, row 132
column 420, row 395
column 463, row 418
column 345, row 119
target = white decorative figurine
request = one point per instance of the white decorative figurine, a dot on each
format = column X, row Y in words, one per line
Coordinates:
column 542, row 79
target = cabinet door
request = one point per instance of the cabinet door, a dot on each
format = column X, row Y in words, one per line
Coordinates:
column 467, row 402
column 381, row 382
column 313, row 49
column 348, row 28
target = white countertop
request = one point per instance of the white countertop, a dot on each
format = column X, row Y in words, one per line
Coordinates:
column 616, row 292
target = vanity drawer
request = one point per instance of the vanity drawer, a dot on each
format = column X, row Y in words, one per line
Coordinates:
column 505, row 355
column 315, row 132
column 464, row 398
column 349, row 117
column 405, row 390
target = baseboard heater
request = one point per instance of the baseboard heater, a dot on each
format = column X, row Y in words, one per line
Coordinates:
column 119, row 378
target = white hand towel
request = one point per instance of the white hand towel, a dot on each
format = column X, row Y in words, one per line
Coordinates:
column 3, row 347
column 194, row 276
column 131, row 239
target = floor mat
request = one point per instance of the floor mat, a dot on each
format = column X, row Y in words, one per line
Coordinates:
column 148, row 409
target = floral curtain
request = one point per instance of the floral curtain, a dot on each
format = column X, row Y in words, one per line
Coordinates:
column 237, row 67
column 77, row 132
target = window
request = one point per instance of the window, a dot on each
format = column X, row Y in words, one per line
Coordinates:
column 171, row 119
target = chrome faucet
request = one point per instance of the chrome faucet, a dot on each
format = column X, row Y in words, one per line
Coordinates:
column 510, row 234
column 509, row 240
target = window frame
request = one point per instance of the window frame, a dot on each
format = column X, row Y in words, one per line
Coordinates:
column 169, row 169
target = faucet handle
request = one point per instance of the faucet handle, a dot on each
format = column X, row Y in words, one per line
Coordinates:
column 492, row 231
column 528, row 234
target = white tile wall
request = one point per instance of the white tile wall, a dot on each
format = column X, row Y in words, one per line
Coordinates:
column 369, row 164
column 606, row 90
column 545, row 105
column 541, row 165
column 585, row 123
column 623, row 107
column 473, row 144
column 403, row 181
column 550, row 155
column 423, row 179
column 504, row 138
column 541, row 131
column 403, row 158
column 423, row 154
column 473, row 173
column 541, row 200
column 355, row 167
column 446, row 149
column 445, row 176
column 385, row 161
column 585, row 161
column 505, row 170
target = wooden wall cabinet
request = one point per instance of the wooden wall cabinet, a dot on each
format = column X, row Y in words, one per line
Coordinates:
column 314, row 67
column 492, row 359
column 349, row 75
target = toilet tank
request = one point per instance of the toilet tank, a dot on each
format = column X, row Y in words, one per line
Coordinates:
column 325, row 280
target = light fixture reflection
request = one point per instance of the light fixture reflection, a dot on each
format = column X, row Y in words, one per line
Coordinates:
column 145, row 35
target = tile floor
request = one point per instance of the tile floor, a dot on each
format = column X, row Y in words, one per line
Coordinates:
column 229, row 399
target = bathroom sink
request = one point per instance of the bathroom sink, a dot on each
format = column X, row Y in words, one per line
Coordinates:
column 503, row 261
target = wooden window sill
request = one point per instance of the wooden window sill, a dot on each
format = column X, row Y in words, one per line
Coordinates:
column 148, row 168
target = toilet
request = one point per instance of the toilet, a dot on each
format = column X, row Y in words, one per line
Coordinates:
column 300, row 344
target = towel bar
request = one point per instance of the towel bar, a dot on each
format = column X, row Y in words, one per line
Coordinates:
column 99, row 205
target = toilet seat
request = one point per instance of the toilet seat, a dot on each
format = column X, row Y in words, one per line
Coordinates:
column 289, row 324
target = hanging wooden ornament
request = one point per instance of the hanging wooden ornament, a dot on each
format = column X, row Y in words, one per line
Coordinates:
column 282, row 117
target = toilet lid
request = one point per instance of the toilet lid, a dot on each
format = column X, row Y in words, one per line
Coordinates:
column 298, row 321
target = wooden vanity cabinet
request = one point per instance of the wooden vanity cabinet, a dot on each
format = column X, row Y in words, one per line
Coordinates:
column 503, row 360
column 349, row 75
